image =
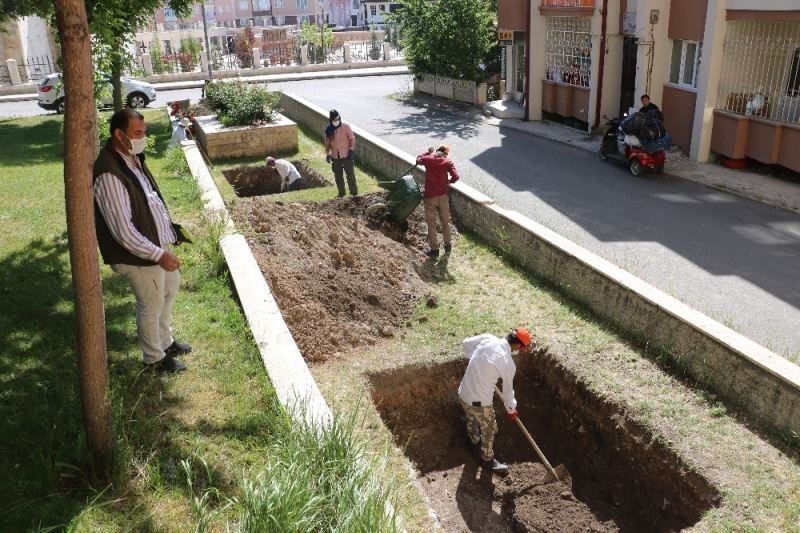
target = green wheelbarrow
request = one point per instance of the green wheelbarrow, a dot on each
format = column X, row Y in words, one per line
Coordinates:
column 403, row 195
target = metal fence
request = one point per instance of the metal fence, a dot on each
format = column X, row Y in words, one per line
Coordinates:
column 761, row 70
column 36, row 68
column 277, row 54
column 568, row 50
column 567, row 3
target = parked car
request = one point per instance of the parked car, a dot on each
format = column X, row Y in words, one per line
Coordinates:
column 135, row 93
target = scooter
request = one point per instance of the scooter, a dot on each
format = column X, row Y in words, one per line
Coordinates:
column 613, row 146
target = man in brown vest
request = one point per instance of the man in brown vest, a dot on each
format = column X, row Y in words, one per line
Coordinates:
column 136, row 234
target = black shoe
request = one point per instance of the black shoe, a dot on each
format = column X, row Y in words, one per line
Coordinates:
column 170, row 365
column 448, row 248
column 178, row 348
column 432, row 253
column 496, row 466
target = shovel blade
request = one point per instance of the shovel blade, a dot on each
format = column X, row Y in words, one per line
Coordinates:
column 562, row 475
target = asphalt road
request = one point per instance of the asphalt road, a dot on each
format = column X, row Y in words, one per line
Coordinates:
column 734, row 259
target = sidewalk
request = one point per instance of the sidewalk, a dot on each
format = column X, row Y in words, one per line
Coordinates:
column 759, row 187
column 268, row 78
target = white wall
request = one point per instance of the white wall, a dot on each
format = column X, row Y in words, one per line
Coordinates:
column 35, row 36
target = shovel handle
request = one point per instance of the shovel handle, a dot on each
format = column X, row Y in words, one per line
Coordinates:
column 530, row 439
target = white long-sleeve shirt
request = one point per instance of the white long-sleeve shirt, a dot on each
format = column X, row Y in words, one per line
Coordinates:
column 115, row 205
column 287, row 172
column 489, row 360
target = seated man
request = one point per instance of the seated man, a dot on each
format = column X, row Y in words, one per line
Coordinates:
column 649, row 108
column 290, row 177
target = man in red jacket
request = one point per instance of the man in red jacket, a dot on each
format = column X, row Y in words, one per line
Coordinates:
column 440, row 172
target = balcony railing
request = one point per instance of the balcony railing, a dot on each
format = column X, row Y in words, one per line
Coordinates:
column 567, row 3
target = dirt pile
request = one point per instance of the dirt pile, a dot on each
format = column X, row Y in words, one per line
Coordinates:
column 339, row 283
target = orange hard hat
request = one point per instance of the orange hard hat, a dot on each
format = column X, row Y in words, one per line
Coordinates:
column 522, row 335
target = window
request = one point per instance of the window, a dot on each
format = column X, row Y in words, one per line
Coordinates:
column 685, row 62
column 261, row 5
column 356, row 4
column 373, row 10
column 243, row 5
column 279, row 4
column 793, row 84
column 568, row 50
column 279, row 21
column 302, row 4
column 382, row 8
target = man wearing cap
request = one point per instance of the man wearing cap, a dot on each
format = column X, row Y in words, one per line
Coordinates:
column 340, row 146
column 290, row 177
column 440, row 172
column 490, row 359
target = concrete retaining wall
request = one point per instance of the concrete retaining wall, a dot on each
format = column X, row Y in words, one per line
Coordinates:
column 743, row 373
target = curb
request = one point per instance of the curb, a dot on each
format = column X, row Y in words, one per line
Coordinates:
column 293, row 383
column 291, row 379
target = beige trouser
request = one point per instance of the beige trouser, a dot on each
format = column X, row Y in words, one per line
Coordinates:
column 155, row 290
column 441, row 206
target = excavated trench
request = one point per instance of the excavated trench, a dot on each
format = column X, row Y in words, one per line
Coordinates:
column 260, row 180
column 624, row 478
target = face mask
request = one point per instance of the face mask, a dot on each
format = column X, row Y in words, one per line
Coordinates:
column 336, row 123
column 137, row 145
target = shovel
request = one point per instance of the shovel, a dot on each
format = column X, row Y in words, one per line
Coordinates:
column 559, row 473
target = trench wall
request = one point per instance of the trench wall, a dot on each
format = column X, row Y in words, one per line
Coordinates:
column 759, row 382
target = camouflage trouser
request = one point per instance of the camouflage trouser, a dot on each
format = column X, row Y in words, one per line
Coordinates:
column 481, row 427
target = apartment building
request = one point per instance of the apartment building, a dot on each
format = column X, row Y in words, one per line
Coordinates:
column 726, row 73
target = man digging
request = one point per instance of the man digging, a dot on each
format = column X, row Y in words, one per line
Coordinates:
column 490, row 359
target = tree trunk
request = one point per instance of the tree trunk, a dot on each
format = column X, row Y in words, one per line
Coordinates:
column 116, row 74
column 79, row 125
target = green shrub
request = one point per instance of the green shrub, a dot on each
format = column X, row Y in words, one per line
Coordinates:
column 239, row 104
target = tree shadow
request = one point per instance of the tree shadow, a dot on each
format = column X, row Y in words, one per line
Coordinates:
column 435, row 117
column 42, row 142
column 44, row 455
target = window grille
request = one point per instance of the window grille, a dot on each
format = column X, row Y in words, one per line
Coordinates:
column 568, row 3
column 761, row 70
column 568, row 50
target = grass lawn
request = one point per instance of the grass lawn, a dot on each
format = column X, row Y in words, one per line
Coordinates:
column 208, row 449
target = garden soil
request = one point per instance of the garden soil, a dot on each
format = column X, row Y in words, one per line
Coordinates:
column 340, row 280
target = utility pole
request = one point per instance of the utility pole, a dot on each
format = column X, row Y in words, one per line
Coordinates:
column 208, row 46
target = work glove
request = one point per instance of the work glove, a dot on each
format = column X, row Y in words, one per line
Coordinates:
column 512, row 415
column 328, row 159
column 350, row 155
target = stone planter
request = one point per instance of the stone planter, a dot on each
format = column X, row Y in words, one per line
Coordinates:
column 220, row 142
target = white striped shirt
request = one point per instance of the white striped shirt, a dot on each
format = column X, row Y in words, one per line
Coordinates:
column 115, row 205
